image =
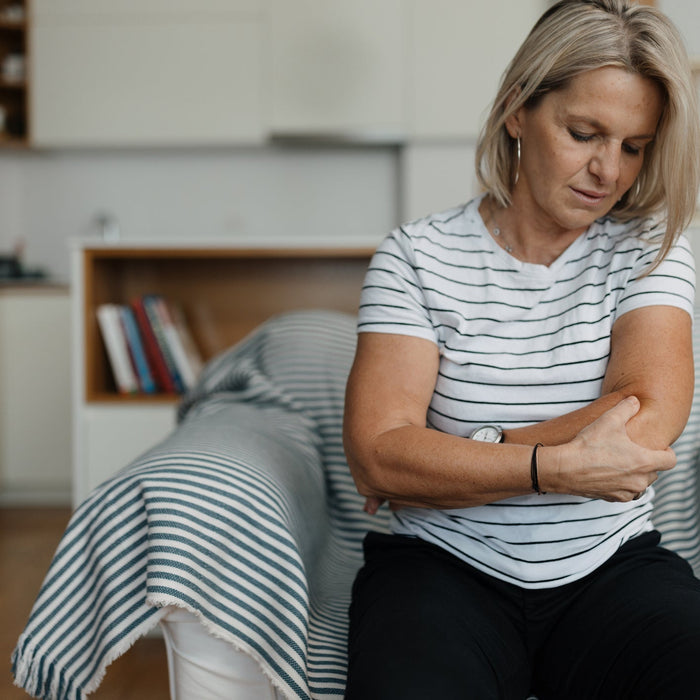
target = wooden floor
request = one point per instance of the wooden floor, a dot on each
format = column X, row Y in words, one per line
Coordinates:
column 28, row 539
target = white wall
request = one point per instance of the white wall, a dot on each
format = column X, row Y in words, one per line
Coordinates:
column 10, row 218
column 234, row 194
column 686, row 16
column 436, row 176
column 238, row 193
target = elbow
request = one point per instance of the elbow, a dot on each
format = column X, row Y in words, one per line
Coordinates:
column 365, row 476
column 365, row 467
column 657, row 425
column 365, row 486
column 654, row 428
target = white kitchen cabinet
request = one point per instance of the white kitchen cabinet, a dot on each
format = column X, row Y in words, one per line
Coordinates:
column 112, row 436
column 337, row 68
column 191, row 72
column 147, row 78
column 112, row 8
column 35, row 388
column 459, row 51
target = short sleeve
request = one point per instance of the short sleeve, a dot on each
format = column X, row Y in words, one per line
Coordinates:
column 393, row 299
column 672, row 283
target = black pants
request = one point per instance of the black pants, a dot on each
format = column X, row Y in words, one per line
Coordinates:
column 425, row 625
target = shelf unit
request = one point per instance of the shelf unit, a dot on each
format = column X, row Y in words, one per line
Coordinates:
column 224, row 292
column 14, row 73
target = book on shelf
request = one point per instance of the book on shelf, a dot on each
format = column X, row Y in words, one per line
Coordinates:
column 149, row 346
column 112, row 330
column 137, row 351
column 192, row 353
column 177, row 337
column 155, row 357
column 153, row 308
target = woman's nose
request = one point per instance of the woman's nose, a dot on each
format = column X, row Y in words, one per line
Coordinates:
column 605, row 164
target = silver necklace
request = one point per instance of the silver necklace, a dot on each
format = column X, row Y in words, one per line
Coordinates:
column 497, row 233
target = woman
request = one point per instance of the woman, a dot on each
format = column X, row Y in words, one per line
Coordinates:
column 524, row 363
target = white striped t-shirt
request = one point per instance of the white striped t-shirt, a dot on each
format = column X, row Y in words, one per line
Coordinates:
column 519, row 343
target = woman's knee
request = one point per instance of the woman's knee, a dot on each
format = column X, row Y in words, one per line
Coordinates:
column 423, row 627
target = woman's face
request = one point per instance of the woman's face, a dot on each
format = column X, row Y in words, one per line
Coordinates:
column 583, row 146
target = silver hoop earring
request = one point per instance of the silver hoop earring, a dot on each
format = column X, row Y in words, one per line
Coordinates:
column 517, row 162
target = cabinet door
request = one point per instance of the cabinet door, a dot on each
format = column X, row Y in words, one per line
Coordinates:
column 149, row 83
column 112, row 437
column 459, row 51
column 43, row 9
column 35, row 419
column 337, row 67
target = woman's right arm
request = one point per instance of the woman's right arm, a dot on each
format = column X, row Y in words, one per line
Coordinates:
column 394, row 456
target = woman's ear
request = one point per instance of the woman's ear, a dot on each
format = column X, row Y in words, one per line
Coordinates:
column 513, row 121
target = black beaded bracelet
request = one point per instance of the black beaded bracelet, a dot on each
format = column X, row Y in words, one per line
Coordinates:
column 533, row 470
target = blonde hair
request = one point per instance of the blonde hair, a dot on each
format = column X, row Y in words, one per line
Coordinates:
column 575, row 36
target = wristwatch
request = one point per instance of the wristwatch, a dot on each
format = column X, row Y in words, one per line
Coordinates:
column 487, row 433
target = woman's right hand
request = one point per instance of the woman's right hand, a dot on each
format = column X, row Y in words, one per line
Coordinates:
column 602, row 461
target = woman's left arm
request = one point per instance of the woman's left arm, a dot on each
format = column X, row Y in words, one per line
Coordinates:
column 651, row 357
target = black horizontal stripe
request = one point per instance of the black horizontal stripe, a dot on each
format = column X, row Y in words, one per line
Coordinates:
column 549, row 560
column 383, row 306
column 677, row 278
column 517, row 385
column 517, row 338
column 584, row 400
column 373, row 324
column 463, row 237
column 520, row 368
column 533, row 351
column 463, row 268
column 519, row 307
column 651, row 292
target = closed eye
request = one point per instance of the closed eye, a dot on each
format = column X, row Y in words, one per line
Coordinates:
column 577, row 136
column 585, row 138
column 631, row 150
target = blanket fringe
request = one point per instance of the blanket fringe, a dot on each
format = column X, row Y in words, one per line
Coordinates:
column 39, row 675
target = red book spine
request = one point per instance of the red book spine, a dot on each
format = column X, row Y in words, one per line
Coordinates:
column 151, row 304
column 153, row 353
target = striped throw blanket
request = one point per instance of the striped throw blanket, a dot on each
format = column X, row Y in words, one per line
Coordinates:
column 247, row 516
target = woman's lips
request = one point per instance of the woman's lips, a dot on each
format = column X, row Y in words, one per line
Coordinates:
column 589, row 197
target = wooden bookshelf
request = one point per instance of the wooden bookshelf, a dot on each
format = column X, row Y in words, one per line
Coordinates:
column 14, row 80
column 224, row 292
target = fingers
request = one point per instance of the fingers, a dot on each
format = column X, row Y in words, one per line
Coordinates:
column 667, row 459
column 626, row 409
column 612, row 466
column 372, row 504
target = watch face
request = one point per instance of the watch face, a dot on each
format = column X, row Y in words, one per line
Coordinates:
column 487, row 433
